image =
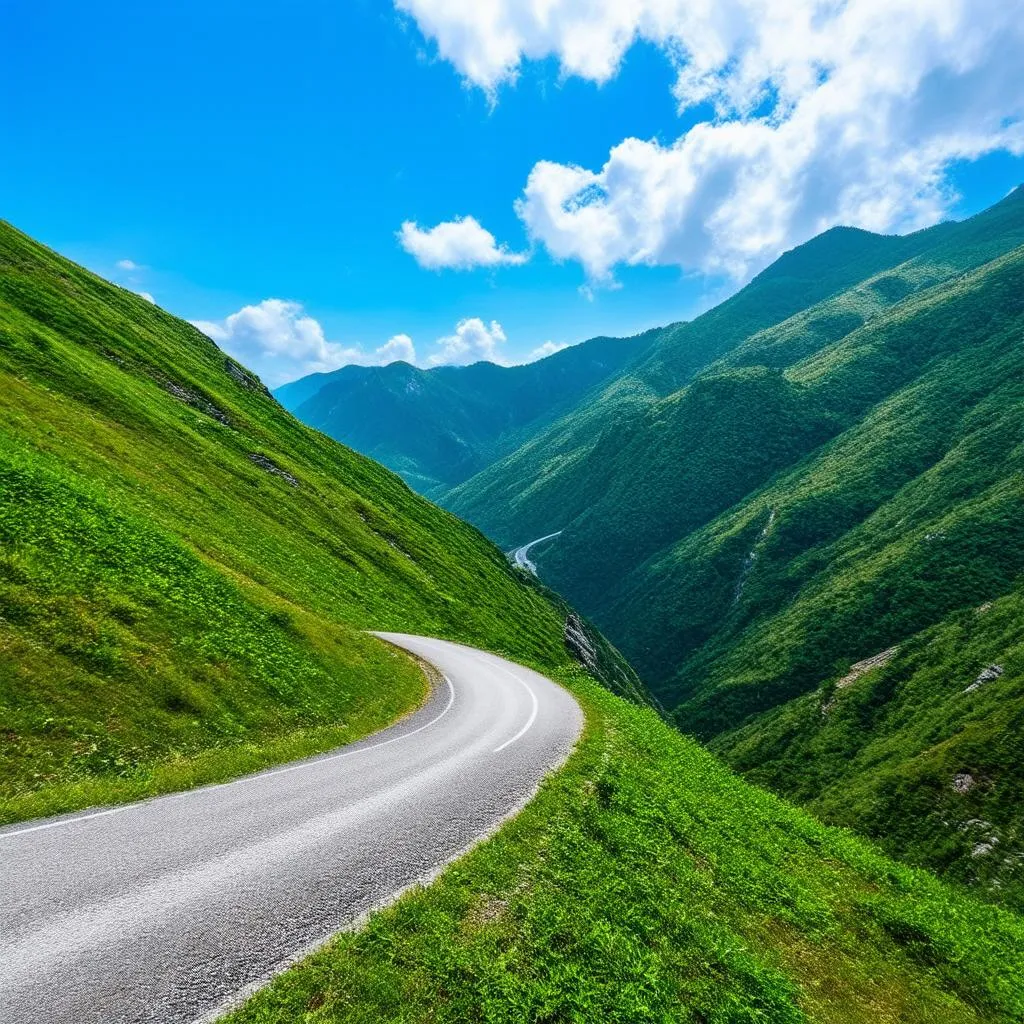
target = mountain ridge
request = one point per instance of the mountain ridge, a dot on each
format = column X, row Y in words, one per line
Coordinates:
column 438, row 426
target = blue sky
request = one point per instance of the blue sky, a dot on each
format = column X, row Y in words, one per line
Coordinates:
column 236, row 153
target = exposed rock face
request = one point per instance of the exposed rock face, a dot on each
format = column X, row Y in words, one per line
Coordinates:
column 241, row 375
column 579, row 644
column 856, row 671
column 963, row 782
column 194, row 399
column 986, row 675
column 272, row 467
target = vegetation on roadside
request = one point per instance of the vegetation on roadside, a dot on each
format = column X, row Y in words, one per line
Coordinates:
column 185, row 579
column 646, row 882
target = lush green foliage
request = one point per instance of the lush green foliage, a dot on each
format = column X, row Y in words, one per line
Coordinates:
column 187, row 570
column 914, row 752
column 647, row 883
column 552, row 476
column 185, row 575
column 438, row 427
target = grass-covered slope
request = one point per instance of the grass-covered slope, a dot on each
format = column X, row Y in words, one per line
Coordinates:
column 438, row 427
column 646, row 883
column 899, row 518
column 186, row 570
column 832, row 485
column 551, row 477
column 920, row 750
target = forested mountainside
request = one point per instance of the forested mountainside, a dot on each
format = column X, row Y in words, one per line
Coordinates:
column 440, row 426
column 825, row 488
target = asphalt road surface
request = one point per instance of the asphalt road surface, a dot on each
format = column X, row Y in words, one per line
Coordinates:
column 171, row 910
column 521, row 556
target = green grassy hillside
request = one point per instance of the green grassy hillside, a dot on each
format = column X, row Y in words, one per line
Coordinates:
column 551, row 477
column 186, row 570
column 898, row 519
column 440, row 426
column 907, row 520
column 185, row 574
column 921, row 752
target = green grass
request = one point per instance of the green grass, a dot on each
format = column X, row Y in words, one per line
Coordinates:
column 172, row 611
column 648, row 883
column 810, row 297
column 884, row 757
column 841, row 470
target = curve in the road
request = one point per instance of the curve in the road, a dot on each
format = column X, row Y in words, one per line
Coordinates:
column 521, row 555
column 172, row 909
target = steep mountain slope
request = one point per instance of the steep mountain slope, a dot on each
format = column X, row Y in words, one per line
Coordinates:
column 938, row 442
column 920, row 750
column 438, row 427
column 186, row 570
column 909, row 515
column 810, row 297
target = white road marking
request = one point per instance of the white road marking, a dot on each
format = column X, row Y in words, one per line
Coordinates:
column 62, row 821
column 533, row 714
column 248, row 778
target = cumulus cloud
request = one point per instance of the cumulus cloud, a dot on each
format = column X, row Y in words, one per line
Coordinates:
column 472, row 341
column 127, row 265
column 279, row 341
column 400, row 347
column 549, row 348
column 460, row 244
column 147, row 297
column 826, row 112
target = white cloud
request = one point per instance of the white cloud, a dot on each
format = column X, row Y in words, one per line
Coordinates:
column 127, row 265
column 400, row 347
column 280, row 342
column 461, row 244
column 825, row 112
column 472, row 341
column 147, row 297
column 277, row 340
column 549, row 348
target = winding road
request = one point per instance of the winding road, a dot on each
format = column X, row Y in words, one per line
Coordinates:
column 521, row 556
column 173, row 909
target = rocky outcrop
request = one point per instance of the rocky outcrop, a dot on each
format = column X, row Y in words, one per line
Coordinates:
column 986, row 675
column 963, row 782
column 240, row 375
column 273, row 468
column 195, row 400
column 579, row 645
column 603, row 661
column 855, row 672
